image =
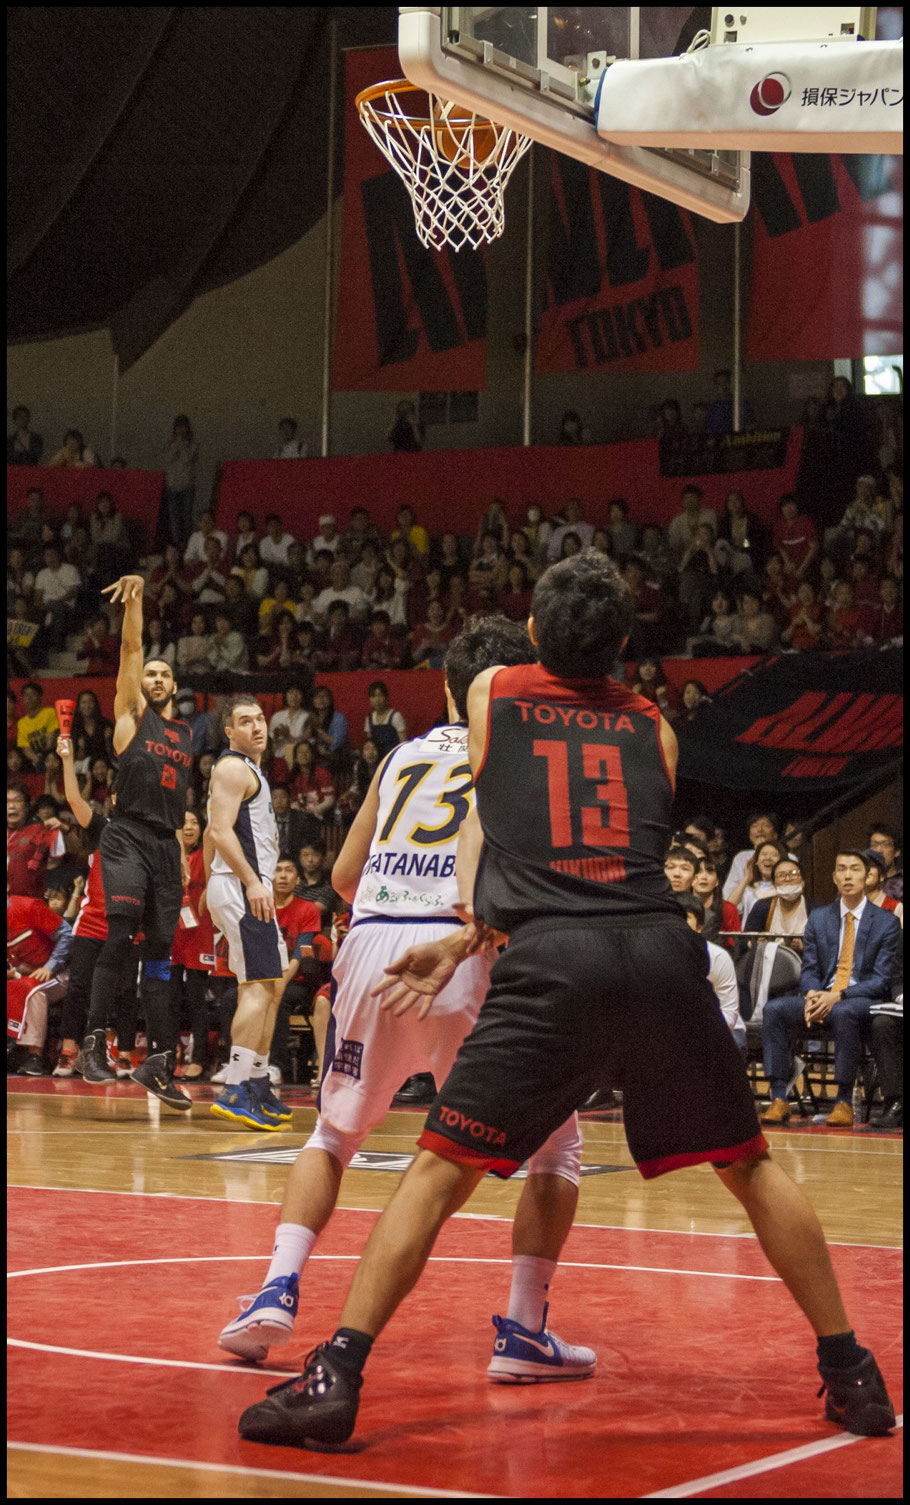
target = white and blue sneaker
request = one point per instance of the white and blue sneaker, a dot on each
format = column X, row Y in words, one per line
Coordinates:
column 521, row 1357
column 271, row 1105
column 241, row 1105
column 266, row 1321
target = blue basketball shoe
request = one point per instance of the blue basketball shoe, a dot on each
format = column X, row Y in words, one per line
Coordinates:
column 266, row 1321
column 521, row 1357
column 271, row 1105
column 239, row 1104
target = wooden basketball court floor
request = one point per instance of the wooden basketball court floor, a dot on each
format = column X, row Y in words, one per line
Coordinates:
column 129, row 1244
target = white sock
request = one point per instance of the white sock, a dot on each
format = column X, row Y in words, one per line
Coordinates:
column 240, row 1065
column 261, row 1065
column 293, row 1246
column 530, row 1289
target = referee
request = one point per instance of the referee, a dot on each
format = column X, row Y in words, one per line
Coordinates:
column 140, row 855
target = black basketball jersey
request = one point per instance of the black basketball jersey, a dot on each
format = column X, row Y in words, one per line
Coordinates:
column 574, row 799
column 153, row 773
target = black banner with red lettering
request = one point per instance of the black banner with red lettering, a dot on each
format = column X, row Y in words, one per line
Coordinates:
column 827, row 257
column 407, row 319
column 801, row 722
column 622, row 277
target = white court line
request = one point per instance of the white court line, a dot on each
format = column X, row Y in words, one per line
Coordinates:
column 760, row 1466
column 253, row 1473
column 479, row 1217
column 435, row 1259
column 133, row 1358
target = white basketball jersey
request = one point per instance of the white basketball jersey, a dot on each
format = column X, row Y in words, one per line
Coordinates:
column 425, row 792
column 255, row 827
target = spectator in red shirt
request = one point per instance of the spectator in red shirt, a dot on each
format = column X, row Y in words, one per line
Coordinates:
column 38, row 943
column 312, row 788
column 340, row 644
column 845, row 625
column 429, row 642
column 515, row 596
column 100, row 647
column 795, row 537
column 381, row 650
column 806, row 626
column 309, row 960
column 29, row 846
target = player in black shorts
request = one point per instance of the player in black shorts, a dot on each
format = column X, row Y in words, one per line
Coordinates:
column 601, row 978
column 141, row 859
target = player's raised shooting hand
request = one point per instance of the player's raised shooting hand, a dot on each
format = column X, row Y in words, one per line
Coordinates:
column 127, row 588
column 417, row 977
column 260, row 901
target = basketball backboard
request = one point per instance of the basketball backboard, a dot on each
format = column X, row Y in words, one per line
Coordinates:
column 537, row 69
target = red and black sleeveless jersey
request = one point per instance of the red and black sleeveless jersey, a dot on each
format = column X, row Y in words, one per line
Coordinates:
column 574, row 799
column 153, row 773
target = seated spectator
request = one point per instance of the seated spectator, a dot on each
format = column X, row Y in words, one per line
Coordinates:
column 786, row 909
column 327, row 540
column 289, row 446
column 381, row 649
column 21, row 775
column 755, row 630
column 195, row 552
column 243, row 609
column 173, row 610
column 209, row 582
column 653, row 552
column 193, row 649
column 341, row 589
column 719, row 407
column 75, row 454
column 390, row 594
column 327, row 729
column 246, row 535
column 365, row 765
column 489, row 565
column 865, row 587
column 275, row 650
column 385, row 726
column 683, row 530
column 297, row 827
column 363, row 573
column 305, row 644
column 515, row 596
column 828, row 580
column 844, row 624
column 720, row 914
column 97, row 783
column 273, row 547
column 494, row 520
column 171, row 571
column 92, row 733
column 202, row 778
column 38, row 944
column 341, row 643
column 741, row 538
column 19, row 580
column 430, row 641
column 694, row 694
column 30, row 845
column 199, row 722
column 721, row 972
column 37, row 729
column 278, row 602
column 757, row 879
column 361, row 530
column 574, row 523
column 621, row 531
column 538, row 531
column 650, row 681
column 311, row 785
column 26, row 528
column 288, row 725
column 53, row 779
column 680, row 867
column 862, row 513
column 779, row 594
column 228, row 652
column 886, row 839
column 647, row 635
column 70, row 522
column 110, row 542
column 806, row 626
column 876, row 875
column 306, row 597
column 408, row 528
column 715, row 635
column 406, row 435
column 23, row 447
column 699, row 573
column 295, row 569
column 101, row 648
column 602, row 543
column 56, row 588
column 763, row 825
column 572, row 430
column 520, row 553
column 315, row 885
column 251, row 572
column 849, row 952
column 570, row 545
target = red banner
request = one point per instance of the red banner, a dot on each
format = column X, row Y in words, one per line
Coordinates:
column 622, row 277
column 408, row 319
column 827, row 257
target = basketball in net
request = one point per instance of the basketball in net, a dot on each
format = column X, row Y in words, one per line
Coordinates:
column 455, row 164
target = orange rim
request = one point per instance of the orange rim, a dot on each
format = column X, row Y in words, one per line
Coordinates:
column 404, row 86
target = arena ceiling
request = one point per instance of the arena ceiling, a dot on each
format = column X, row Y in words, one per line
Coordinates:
column 158, row 152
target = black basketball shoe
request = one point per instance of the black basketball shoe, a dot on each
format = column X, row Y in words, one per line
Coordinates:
column 857, row 1400
column 92, row 1058
column 156, row 1074
column 316, row 1408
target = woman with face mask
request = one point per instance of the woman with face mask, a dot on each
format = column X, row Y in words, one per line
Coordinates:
column 785, row 910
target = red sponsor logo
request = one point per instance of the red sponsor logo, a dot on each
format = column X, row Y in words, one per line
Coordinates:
column 161, row 750
column 126, row 899
column 589, row 721
column 171, row 735
column 453, row 1119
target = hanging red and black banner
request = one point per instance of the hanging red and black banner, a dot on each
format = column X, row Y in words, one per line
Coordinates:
column 408, row 319
column 622, row 277
column 800, row 722
column 827, row 257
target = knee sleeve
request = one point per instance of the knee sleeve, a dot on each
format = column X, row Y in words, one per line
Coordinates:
column 343, row 1146
column 157, row 969
column 118, row 948
column 560, row 1155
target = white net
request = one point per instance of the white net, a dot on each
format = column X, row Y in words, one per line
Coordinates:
column 455, row 164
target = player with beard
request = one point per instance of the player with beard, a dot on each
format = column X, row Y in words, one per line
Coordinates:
column 140, row 855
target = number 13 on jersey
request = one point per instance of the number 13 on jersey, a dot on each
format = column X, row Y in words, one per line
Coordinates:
column 572, row 767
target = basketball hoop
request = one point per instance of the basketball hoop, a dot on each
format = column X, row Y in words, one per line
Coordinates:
column 455, row 164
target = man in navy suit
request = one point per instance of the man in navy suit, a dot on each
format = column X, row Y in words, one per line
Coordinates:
column 849, row 950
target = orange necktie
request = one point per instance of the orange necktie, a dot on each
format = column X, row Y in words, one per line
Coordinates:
column 845, row 960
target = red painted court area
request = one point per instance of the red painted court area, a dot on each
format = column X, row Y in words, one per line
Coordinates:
column 115, row 1303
